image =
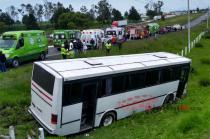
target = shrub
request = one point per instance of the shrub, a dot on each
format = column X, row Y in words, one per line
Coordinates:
column 207, row 36
column 204, row 82
column 198, row 45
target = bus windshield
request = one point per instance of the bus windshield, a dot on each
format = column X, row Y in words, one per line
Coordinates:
column 7, row 43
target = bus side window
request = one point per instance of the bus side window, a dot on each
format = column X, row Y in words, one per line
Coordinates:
column 136, row 80
column 118, row 84
column 176, row 73
column 72, row 94
column 152, row 78
column 166, row 75
column 106, row 87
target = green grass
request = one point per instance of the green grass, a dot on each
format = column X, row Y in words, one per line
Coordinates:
column 170, row 122
column 182, row 19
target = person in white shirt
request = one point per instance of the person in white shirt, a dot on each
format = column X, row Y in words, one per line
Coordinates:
column 84, row 47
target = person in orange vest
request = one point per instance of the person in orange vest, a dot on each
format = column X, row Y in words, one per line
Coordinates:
column 114, row 40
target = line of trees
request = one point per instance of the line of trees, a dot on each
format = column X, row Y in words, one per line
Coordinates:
column 64, row 17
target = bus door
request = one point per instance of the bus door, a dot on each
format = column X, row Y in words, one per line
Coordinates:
column 183, row 81
column 89, row 96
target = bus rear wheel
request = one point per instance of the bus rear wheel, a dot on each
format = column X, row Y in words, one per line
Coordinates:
column 108, row 119
column 169, row 99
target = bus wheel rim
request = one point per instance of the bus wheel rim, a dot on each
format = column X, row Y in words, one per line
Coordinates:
column 108, row 120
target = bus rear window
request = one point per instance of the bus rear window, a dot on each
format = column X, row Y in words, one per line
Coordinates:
column 44, row 79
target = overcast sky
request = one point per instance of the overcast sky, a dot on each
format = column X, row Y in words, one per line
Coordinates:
column 122, row 5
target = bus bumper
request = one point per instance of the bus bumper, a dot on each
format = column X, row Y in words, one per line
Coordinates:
column 47, row 128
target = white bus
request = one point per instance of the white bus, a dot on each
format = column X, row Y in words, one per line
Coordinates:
column 71, row 96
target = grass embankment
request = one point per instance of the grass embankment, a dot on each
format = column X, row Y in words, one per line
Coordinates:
column 182, row 19
column 15, row 97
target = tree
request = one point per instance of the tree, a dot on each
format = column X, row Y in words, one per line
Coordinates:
column 71, row 9
column 30, row 21
column 72, row 20
column 92, row 12
column 83, row 9
column 151, row 14
column 104, row 11
column 29, row 9
column 133, row 14
column 38, row 12
column 198, row 9
column 126, row 14
column 12, row 11
column 49, row 9
column 5, row 18
column 59, row 10
column 22, row 9
column 116, row 15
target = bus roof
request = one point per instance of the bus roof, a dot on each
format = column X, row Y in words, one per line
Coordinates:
column 74, row 69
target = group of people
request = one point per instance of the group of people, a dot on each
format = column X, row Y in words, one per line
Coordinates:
column 2, row 62
column 73, row 48
column 76, row 46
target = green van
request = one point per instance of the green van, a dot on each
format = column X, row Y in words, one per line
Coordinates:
column 60, row 36
column 21, row 46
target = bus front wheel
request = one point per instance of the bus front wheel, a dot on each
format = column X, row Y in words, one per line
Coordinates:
column 108, row 119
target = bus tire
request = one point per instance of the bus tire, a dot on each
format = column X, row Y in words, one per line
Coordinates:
column 42, row 56
column 15, row 62
column 169, row 99
column 108, row 119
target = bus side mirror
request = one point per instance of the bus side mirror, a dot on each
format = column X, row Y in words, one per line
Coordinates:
column 20, row 43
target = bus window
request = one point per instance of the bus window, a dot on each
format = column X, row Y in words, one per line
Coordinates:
column 136, row 80
column 106, row 87
column 166, row 75
column 152, row 78
column 118, row 84
column 72, row 94
column 176, row 73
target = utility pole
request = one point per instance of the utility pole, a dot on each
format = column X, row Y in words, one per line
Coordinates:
column 189, row 25
column 208, row 19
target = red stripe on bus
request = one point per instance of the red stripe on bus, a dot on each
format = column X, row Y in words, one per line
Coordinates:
column 138, row 102
column 42, row 92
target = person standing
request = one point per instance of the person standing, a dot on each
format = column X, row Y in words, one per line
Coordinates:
column 2, row 62
column 64, row 50
column 100, row 45
column 119, row 43
column 108, row 47
column 84, row 47
column 92, row 43
column 75, row 44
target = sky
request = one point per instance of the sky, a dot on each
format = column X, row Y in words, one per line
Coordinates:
column 122, row 5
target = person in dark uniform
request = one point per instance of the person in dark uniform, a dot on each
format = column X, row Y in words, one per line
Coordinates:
column 3, row 62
